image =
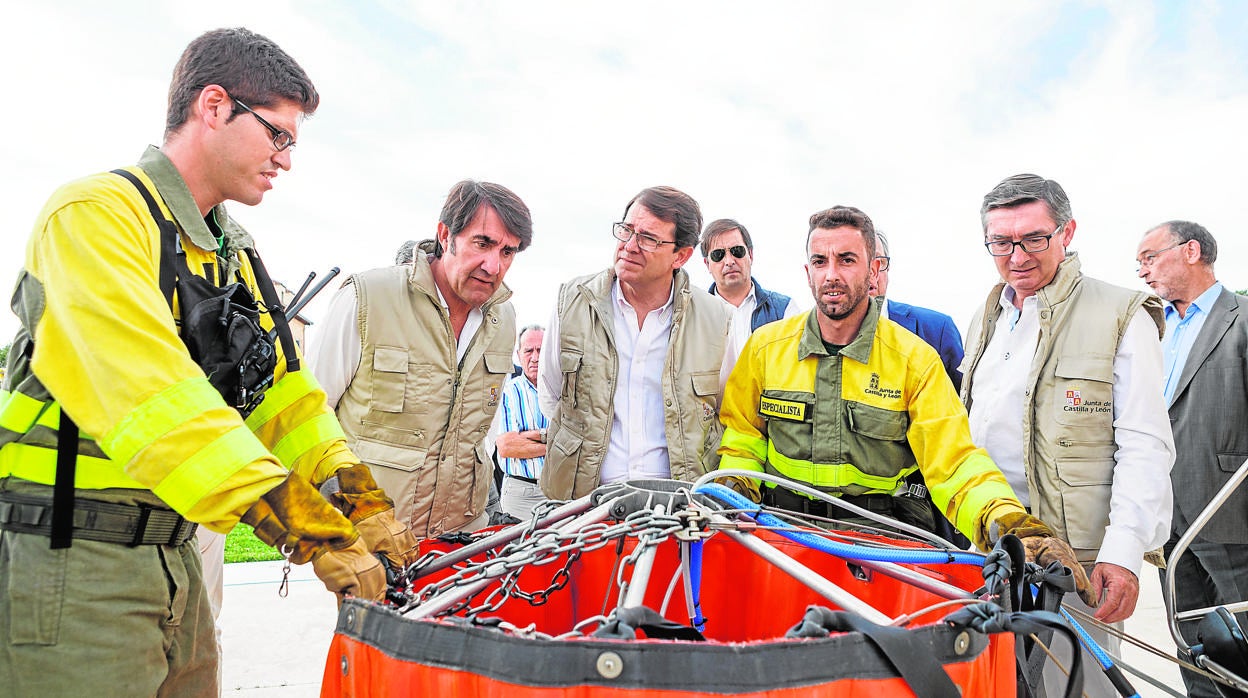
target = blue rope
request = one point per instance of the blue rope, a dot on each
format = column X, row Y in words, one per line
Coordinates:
column 1102, row 657
column 735, row 500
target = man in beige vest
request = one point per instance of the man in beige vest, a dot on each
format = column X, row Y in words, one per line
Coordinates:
column 1063, row 381
column 634, row 360
column 413, row 358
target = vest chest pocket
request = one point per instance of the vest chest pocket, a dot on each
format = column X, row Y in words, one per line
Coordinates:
column 389, row 379
column 570, row 367
column 706, row 388
column 1083, row 392
column 498, row 367
column 790, row 421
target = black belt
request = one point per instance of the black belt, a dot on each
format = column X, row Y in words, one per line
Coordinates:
column 521, row 478
column 784, row 498
column 105, row 522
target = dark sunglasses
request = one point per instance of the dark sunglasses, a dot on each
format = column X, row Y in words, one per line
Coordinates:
column 737, row 251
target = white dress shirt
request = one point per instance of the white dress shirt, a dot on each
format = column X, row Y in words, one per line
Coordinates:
column 335, row 346
column 638, row 447
column 1141, row 498
column 743, row 315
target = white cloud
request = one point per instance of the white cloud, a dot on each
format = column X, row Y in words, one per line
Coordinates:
column 910, row 111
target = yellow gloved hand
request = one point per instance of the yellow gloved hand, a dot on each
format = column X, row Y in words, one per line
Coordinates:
column 1043, row 547
column 359, row 495
column 353, row 571
column 293, row 517
column 364, row 503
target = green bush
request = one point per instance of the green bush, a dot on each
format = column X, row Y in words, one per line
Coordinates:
column 241, row 545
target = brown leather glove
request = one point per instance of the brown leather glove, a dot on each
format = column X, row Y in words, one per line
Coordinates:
column 383, row 534
column 353, row 571
column 364, row 503
column 1043, row 547
column 741, row 485
column 294, row 518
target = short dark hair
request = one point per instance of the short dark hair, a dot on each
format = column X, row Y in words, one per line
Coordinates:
column 1024, row 189
column 1184, row 231
column 468, row 196
column 720, row 226
column 249, row 66
column 844, row 216
column 672, row 206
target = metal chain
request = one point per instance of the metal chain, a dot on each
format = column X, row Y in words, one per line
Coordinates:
column 546, row 546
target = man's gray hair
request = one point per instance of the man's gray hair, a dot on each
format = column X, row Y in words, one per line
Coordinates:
column 1184, row 231
column 527, row 328
column 406, row 253
column 881, row 243
column 1024, row 189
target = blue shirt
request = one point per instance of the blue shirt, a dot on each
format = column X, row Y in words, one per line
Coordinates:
column 521, row 413
column 1181, row 334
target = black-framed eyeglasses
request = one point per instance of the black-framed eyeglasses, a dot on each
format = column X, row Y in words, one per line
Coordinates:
column 623, row 232
column 281, row 137
column 1030, row 244
column 885, row 260
column 738, row 251
column 1150, row 259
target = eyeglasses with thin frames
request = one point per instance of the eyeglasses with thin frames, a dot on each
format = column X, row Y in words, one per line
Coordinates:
column 884, row 261
column 1148, row 260
column 1030, row 244
column 281, row 137
column 649, row 243
column 738, row 251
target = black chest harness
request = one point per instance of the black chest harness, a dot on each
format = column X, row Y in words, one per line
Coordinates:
column 220, row 326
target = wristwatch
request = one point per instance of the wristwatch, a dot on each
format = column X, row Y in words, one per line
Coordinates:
column 541, row 435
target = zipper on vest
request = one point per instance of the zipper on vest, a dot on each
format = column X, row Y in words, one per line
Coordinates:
column 1071, row 442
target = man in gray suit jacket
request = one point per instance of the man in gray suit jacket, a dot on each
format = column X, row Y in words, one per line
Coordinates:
column 1206, row 366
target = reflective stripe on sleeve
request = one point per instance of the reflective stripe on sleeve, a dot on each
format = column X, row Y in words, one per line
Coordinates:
column 208, row 467
column 312, row 433
column 158, row 415
column 281, row 395
column 18, row 411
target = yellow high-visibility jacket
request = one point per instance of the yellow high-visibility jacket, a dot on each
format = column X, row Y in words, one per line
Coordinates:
column 859, row 421
column 98, row 340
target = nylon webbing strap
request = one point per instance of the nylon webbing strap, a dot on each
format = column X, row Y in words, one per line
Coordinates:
column 919, row 669
column 168, row 237
column 276, row 312
column 63, row 491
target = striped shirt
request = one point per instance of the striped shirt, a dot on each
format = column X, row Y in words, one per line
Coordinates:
column 521, row 413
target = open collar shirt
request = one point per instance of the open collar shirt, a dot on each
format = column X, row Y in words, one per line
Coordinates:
column 1181, row 333
column 1141, row 423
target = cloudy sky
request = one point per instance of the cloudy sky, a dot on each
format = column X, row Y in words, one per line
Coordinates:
column 764, row 112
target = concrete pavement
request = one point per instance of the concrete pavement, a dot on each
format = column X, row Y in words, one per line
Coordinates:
column 276, row 647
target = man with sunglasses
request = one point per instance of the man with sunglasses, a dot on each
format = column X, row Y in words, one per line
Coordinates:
column 118, row 435
column 728, row 253
column 1063, row 381
column 634, row 360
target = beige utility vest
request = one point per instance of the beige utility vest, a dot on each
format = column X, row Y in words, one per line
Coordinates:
column 580, row 429
column 411, row 412
column 1068, row 415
